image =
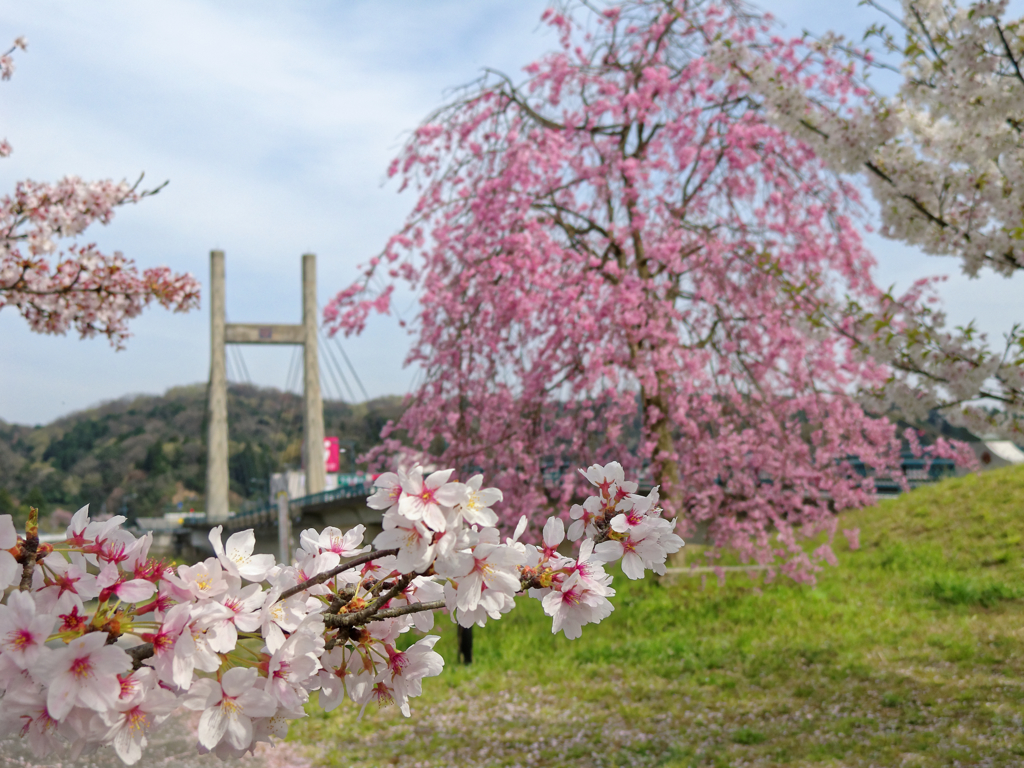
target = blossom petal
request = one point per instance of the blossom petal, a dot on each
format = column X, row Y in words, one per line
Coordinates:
column 8, row 533
column 136, row 590
column 212, row 725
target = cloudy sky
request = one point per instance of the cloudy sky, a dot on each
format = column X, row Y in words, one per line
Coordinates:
column 274, row 123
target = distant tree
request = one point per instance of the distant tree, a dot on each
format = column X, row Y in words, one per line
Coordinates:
column 249, row 470
column 75, row 443
column 7, row 505
column 155, row 462
column 78, row 287
column 34, row 498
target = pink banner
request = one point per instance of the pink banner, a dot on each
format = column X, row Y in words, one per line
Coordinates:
column 332, row 455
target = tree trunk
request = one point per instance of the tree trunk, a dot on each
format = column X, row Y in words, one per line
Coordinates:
column 665, row 466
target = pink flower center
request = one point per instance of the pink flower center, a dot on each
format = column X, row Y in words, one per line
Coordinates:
column 281, row 671
column 136, row 719
column 81, row 667
column 412, row 537
column 230, row 706
column 397, row 661
column 573, row 597
column 382, row 695
column 20, row 639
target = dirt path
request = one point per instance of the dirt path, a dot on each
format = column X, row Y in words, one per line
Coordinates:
column 171, row 746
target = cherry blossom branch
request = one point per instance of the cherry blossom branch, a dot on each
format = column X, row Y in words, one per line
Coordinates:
column 405, row 610
column 139, row 653
column 341, row 568
column 91, row 291
column 361, row 616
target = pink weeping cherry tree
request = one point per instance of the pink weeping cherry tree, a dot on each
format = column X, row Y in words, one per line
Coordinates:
column 79, row 287
column 621, row 249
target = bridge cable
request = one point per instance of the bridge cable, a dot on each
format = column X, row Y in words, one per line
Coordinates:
column 229, row 368
column 326, row 372
column 355, row 375
column 350, row 366
column 325, row 365
column 292, row 366
column 332, row 392
column 241, row 366
column 334, row 361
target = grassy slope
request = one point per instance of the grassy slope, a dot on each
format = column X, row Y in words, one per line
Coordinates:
column 910, row 652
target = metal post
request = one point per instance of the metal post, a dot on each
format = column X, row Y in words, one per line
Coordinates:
column 313, row 407
column 217, row 436
column 284, row 529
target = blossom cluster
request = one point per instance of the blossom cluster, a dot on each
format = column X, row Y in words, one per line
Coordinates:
column 944, row 159
column 79, row 287
column 100, row 642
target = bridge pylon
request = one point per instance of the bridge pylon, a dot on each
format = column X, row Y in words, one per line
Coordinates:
column 223, row 333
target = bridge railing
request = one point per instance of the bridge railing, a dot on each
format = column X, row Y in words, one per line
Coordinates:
column 918, row 471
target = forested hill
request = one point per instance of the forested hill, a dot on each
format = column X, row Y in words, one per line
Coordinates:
column 142, row 454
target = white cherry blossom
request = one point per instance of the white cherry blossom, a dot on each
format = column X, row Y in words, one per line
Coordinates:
column 237, row 555
column 228, row 707
column 23, row 631
column 423, row 499
column 389, row 491
column 476, row 509
column 132, row 716
column 83, row 673
column 575, row 604
column 414, row 540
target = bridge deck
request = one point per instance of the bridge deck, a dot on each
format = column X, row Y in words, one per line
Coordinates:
column 345, row 506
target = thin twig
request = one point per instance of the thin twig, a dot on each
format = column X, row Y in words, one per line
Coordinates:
column 361, row 616
column 405, row 610
column 29, row 549
column 328, row 575
column 140, row 653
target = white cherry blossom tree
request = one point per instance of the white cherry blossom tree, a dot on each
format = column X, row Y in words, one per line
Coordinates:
column 944, row 159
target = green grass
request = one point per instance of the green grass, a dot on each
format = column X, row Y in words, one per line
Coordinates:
column 909, row 652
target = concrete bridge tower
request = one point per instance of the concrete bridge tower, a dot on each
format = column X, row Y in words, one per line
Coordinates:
column 223, row 333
